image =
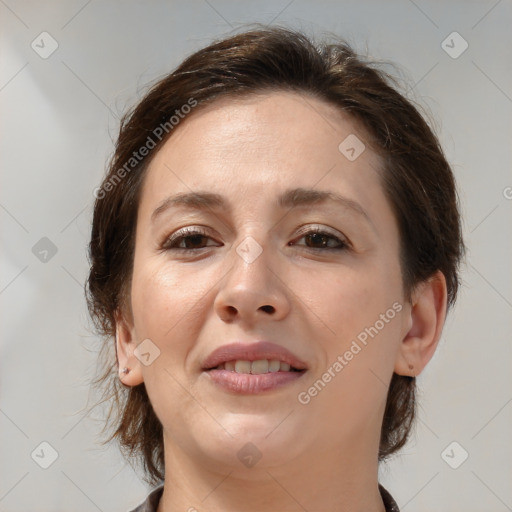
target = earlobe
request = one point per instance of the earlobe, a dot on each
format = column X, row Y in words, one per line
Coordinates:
column 427, row 313
column 129, row 367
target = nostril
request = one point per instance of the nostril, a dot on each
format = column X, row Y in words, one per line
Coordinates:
column 268, row 309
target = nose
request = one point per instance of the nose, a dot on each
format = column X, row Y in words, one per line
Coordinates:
column 252, row 292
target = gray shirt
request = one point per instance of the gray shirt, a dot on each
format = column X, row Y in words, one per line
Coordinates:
column 151, row 502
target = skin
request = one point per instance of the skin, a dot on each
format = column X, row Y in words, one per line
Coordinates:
column 319, row 456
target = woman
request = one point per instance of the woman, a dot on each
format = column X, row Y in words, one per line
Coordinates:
column 274, row 250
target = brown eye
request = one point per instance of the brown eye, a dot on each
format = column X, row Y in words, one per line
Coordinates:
column 188, row 240
column 317, row 239
column 192, row 241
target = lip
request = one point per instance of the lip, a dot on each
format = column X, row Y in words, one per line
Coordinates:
column 246, row 383
column 252, row 352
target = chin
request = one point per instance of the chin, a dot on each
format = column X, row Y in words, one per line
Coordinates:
column 255, row 441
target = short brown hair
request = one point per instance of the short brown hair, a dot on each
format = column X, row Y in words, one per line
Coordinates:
column 416, row 178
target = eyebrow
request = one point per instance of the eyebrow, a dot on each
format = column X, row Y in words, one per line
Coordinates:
column 289, row 199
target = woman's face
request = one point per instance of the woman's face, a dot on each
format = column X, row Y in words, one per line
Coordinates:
column 292, row 242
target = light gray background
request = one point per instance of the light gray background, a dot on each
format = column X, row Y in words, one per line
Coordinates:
column 58, row 116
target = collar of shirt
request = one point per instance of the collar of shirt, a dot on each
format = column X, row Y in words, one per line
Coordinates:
column 150, row 504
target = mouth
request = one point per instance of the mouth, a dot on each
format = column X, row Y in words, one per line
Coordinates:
column 252, row 368
column 258, row 367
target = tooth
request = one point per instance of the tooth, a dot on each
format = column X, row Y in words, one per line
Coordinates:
column 243, row 367
column 260, row 366
column 274, row 365
column 229, row 365
column 284, row 367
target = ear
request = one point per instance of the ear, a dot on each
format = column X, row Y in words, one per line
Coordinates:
column 126, row 342
column 425, row 321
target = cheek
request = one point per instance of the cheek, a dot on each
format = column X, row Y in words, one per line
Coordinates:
column 160, row 302
column 153, row 296
column 352, row 298
column 169, row 305
column 361, row 307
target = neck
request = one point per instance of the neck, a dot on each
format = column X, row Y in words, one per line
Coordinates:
column 333, row 480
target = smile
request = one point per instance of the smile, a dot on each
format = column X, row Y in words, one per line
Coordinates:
column 258, row 367
column 250, row 368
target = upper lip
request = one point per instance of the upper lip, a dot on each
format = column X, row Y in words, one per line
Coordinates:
column 252, row 352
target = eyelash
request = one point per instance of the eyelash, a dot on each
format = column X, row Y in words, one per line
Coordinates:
column 187, row 233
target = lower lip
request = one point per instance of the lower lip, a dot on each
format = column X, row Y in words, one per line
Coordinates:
column 248, row 384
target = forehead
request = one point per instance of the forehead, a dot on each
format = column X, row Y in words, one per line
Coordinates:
column 275, row 123
column 263, row 142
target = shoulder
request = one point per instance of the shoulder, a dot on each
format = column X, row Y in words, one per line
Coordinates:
column 150, row 504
